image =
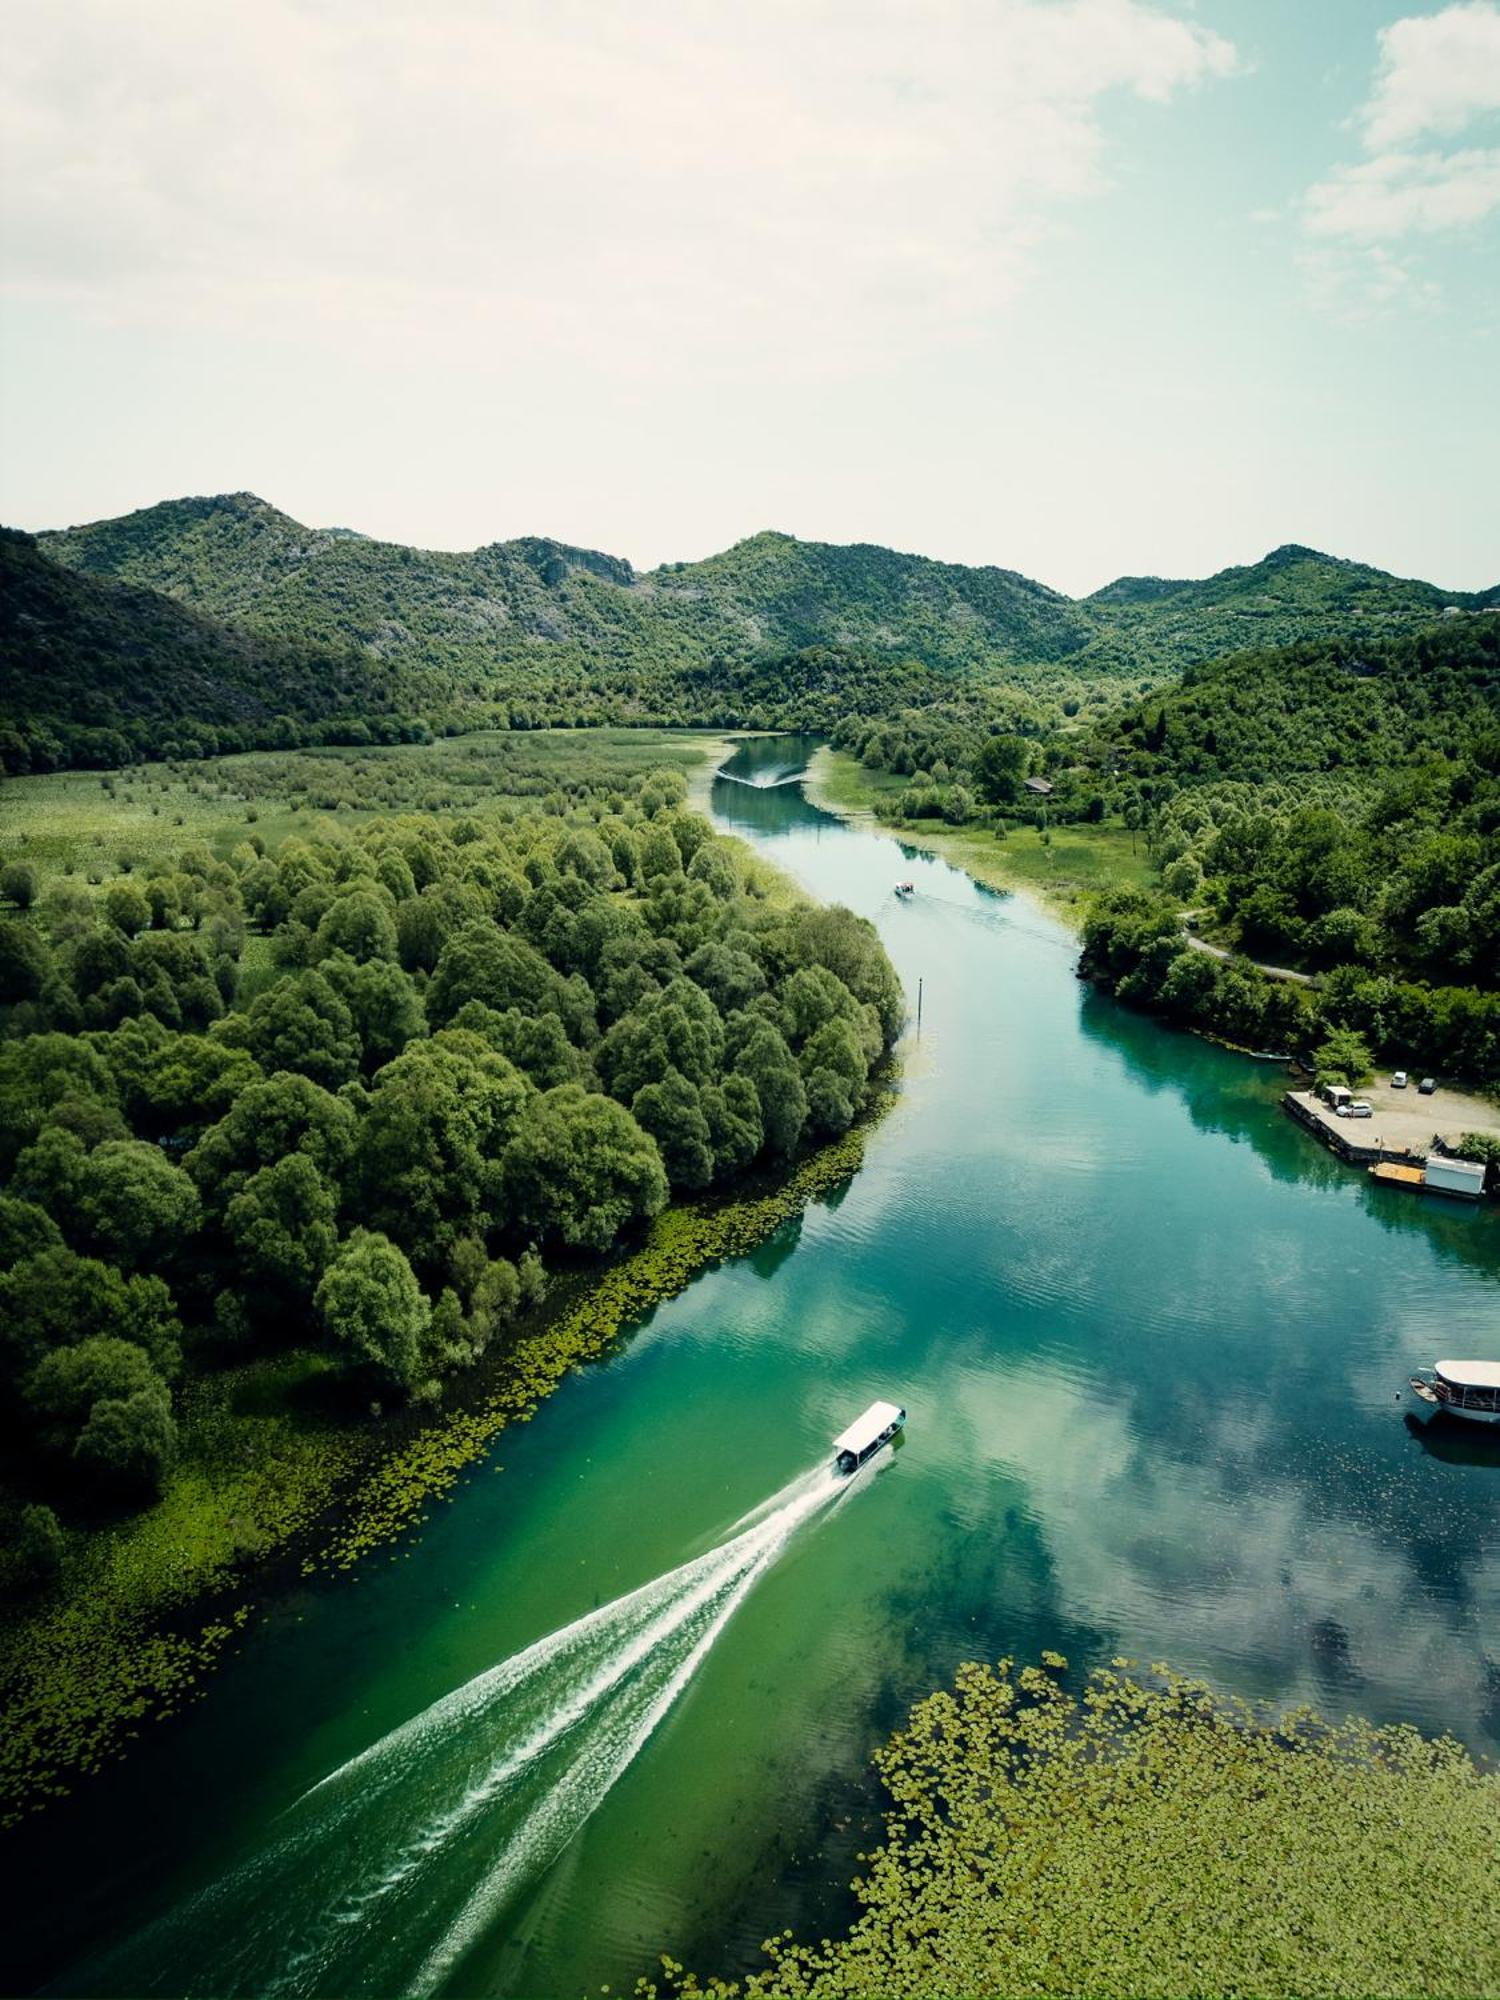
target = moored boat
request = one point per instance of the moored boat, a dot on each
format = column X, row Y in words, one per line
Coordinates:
column 1468, row 1389
column 866, row 1435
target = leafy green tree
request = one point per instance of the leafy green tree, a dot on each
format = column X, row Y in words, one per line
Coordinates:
column 730, row 977
column 678, row 1028
column 485, row 964
column 672, row 1112
column 25, row 1228
column 36, row 1556
column 130, row 1440
column 383, row 1004
column 284, row 1114
column 301, row 1024
column 1000, row 766
column 50, row 1173
column 770, row 1066
column 54, row 1298
column 25, row 962
column 18, row 884
column 580, row 1167
column 537, row 1044
column 133, row 1204
column 496, row 1301
column 190, row 1080
column 283, row 1226
column 126, row 907
column 830, row 1103
column 848, row 945
column 1342, row 1057
column 361, row 925
column 428, row 1165
column 106, row 1403
column 35, row 1074
column 373, row 1309
column 735, row 1128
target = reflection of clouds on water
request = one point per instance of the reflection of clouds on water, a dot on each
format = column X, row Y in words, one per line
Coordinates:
column 1266, row 1586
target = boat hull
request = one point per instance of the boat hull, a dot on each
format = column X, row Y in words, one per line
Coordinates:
column 1427, row 1395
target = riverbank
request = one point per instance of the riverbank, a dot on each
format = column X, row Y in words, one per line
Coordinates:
column 1061, row 868
column 150, row 1607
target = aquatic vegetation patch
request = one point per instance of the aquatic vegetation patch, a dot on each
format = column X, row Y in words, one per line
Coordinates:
column 1153, row 1836
column 148, row 1605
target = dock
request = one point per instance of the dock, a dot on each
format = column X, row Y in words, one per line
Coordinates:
column 1405, row 1132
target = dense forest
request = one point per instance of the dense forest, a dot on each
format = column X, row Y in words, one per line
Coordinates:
column 1333, row 806
column 370, row 1087
column 353, row 639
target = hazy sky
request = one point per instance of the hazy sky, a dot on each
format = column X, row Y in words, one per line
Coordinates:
column 1082, row 287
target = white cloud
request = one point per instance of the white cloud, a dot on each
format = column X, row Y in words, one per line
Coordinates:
column 1401, row 194
column 1437, row 72
column 557, row 174
column 1437, row 75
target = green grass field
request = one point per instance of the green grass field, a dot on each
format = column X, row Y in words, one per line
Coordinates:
column 1064, row 867
column 89, row 827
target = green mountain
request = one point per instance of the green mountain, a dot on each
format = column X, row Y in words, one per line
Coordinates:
column 1293, row 593
column 239, row 559
column 90, row 667
column 535, row 631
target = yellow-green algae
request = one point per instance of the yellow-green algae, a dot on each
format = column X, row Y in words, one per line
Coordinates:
column 149, row 1605
column 1152, row 1836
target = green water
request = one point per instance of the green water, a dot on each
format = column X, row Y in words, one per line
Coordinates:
column 1153, row 1344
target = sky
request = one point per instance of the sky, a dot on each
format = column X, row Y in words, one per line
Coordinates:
column 1080, row 287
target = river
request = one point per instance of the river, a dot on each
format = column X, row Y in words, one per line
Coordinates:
column 619, row 1697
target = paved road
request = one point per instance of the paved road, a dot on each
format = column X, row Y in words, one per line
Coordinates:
column 1271, row 971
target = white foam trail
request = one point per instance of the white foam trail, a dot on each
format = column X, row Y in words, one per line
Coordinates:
column 552, row 1823
column 389, row 1869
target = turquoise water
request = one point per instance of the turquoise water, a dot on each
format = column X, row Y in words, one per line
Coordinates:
column 619, row 1697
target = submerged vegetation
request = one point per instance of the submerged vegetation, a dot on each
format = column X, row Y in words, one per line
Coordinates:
column 1151, row 1836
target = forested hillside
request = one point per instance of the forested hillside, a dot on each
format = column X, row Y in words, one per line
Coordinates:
column 1335, row 806
column 1294, row 593
column 772, row 632
column 95, row 671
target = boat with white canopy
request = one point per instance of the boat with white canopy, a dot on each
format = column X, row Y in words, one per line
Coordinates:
column 866, row 1435
column 1464, row 1388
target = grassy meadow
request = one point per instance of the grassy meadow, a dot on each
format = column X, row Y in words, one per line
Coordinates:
column 88, row 826
column 1062, row 867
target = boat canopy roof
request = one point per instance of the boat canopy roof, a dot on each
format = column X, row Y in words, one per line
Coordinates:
column 864, row 1430
column 1468, row 1374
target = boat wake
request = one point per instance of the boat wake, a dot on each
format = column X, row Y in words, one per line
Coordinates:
column 762, row 784
column 386, row 1872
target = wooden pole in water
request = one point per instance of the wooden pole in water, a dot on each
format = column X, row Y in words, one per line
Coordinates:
column 919, row 1006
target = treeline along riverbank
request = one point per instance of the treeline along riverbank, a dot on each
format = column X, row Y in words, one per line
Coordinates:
column 297, row 1133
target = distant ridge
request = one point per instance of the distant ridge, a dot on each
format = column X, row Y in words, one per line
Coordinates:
column 317, row 623
column 236, row 557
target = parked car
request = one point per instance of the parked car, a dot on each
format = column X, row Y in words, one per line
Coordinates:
column 1359, row 1109
column 1400, row 1080
column 1427, row 1086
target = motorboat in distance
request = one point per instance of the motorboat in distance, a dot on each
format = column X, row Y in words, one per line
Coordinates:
column 866, row 1435
column 1463, row 1388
